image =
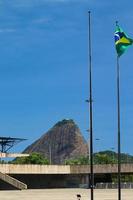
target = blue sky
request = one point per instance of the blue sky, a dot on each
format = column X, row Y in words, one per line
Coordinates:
column 44, row 69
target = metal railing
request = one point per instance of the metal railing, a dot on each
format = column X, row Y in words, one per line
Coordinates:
column 125, row 185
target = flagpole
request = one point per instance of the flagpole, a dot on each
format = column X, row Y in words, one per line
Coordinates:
column 121, row 46
column 118, row 126
column 91, row 114
column 119, row 135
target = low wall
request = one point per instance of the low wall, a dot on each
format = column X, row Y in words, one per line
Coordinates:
column 63, row 169
column 34, row 169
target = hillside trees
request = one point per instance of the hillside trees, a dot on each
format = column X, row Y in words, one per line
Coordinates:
column 34, row 158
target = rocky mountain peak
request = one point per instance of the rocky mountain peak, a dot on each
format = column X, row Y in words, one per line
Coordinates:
column 63, row 141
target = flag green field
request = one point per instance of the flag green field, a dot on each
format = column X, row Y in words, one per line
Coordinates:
column 122, row 41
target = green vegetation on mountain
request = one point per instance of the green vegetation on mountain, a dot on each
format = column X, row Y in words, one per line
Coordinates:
column 125, row 158
column 82, row 160
column 34, row 158
column 103, row 157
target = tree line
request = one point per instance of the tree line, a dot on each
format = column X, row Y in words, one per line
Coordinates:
column 104, row 157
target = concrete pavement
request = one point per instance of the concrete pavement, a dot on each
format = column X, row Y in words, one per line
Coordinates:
column 64, row 194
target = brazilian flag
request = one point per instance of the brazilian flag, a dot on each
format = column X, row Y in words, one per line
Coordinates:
column 122, row 41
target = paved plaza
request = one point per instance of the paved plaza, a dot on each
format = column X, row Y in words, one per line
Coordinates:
column 64, row 194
